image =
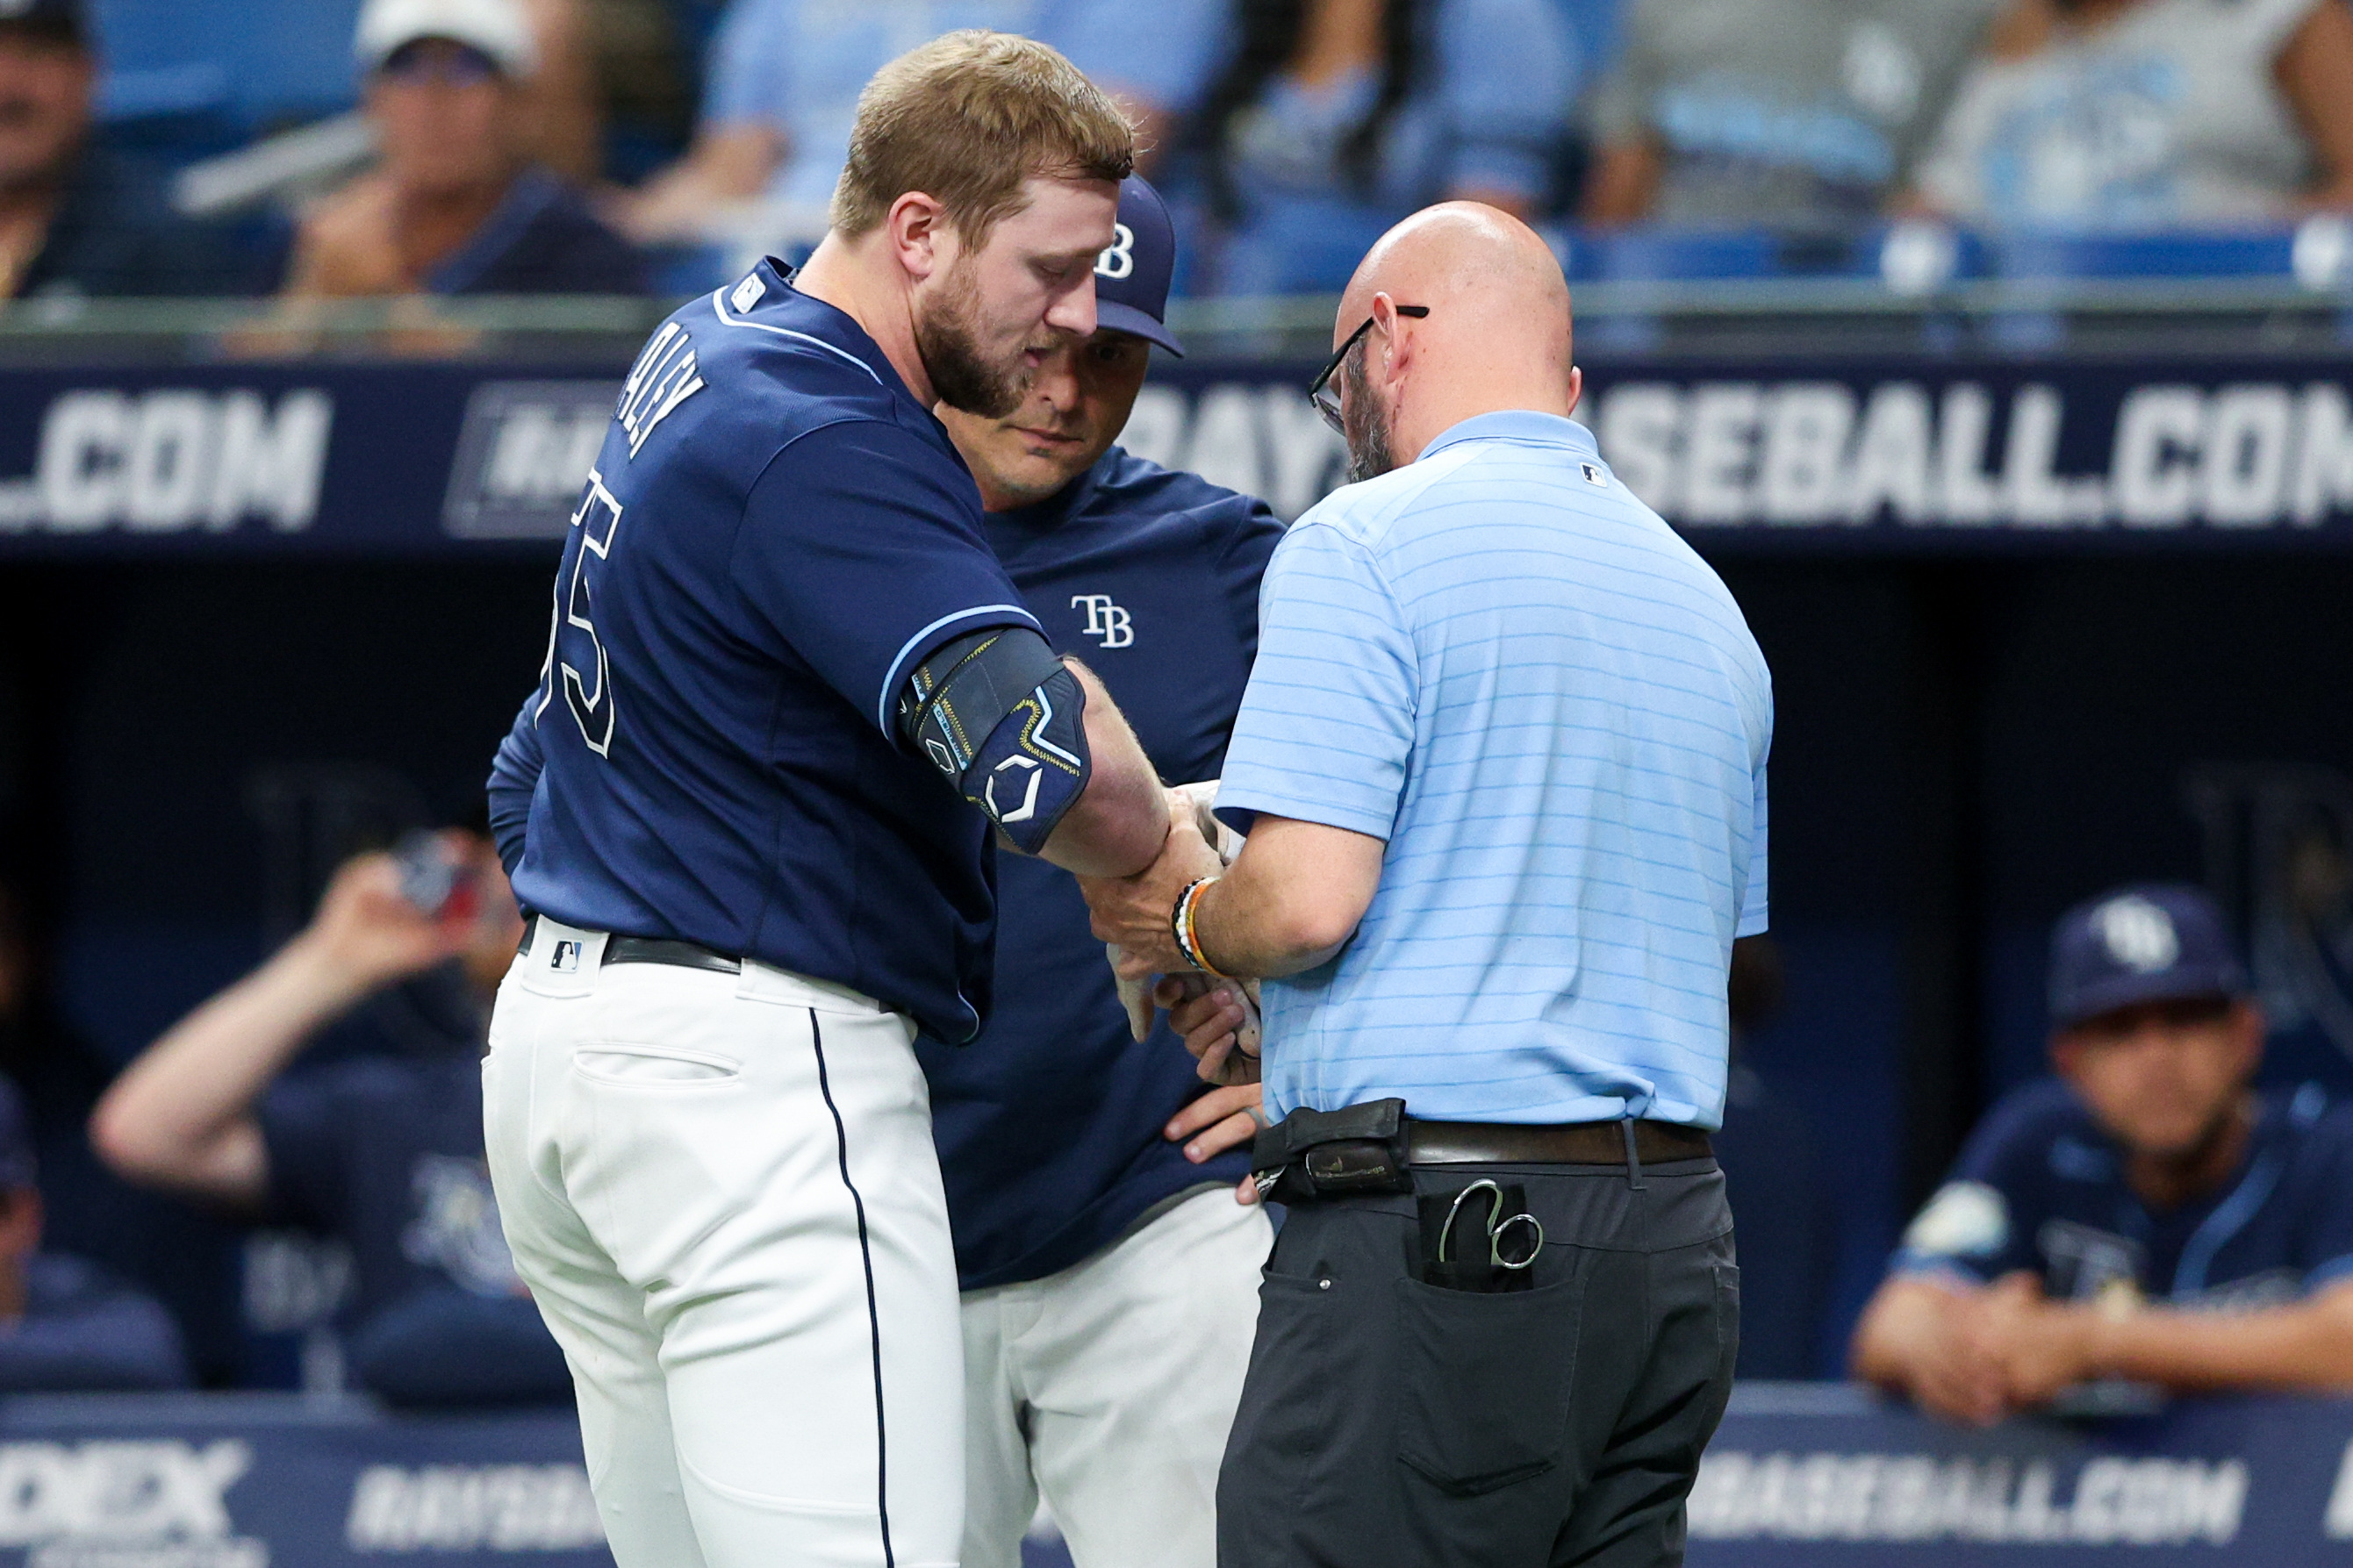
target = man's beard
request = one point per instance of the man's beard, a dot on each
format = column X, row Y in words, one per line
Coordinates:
column 1369, row 433
column 949, row 348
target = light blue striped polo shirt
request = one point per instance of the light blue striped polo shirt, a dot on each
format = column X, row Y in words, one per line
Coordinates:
column 1501, row 662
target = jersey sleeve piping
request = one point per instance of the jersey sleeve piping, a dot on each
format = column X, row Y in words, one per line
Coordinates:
column 719, row 306
column 2335, row 1271
column 1911, row 1263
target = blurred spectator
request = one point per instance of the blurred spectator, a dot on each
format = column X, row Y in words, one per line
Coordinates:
column 563, row 101
column 74, row 218
column 2140, row 113
column 65, row 1323
column 784, row 76
column 1333, row 118
column 2150, row 1216
column 384, row 1152
column 1789, row 1226
column 456, row 204
column 1775, row 111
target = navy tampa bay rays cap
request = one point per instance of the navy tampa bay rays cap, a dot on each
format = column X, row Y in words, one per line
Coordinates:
column 1132, row 277
column 2153, row 942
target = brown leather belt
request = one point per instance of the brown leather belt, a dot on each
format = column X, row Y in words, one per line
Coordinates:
column 1576, row 1143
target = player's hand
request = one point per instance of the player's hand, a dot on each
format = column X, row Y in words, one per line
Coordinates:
column 1132, row 912
column 1950, row 1370
column 2041, row 1348
column 366, row 933
column 1220, row 1120
column 1218, row 1020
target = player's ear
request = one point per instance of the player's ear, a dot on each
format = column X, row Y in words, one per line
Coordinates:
column 2247, row 1034
column 918, row 230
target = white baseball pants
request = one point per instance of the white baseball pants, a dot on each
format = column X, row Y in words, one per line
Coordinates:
column 723, row 1195
column 1110, row 1388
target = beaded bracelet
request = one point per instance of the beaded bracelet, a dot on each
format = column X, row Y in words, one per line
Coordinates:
column 1180, row 921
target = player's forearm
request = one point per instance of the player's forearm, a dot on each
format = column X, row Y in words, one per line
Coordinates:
column 2308, row 1345
column 1117, row 826
column 195, row 1086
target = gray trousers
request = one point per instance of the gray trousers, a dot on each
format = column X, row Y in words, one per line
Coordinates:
column 1387, row 1423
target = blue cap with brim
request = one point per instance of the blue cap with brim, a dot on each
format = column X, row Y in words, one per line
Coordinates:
column 1132, row 277
column 2154, row 942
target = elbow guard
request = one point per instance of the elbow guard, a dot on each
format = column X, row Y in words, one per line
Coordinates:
column 1004, row 721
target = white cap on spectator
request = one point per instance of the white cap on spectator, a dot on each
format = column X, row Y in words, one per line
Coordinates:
column 497, row 28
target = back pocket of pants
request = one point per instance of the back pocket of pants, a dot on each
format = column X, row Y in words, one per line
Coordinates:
column 634, row 1066
column 1484, row 1382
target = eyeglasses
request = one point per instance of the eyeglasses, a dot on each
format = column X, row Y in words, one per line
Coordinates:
column 1320, row 392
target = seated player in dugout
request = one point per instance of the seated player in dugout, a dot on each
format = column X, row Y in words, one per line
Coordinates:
column 337, row 1089
column 2151, row 1217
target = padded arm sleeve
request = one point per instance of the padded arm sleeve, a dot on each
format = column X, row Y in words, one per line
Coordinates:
column 1002, row 718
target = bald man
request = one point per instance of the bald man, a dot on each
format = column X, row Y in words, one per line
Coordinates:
column 1505, row 744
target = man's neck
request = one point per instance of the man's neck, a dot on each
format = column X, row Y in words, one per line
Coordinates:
column 2167, row 1181
column 1427, row 423
column 848, row 275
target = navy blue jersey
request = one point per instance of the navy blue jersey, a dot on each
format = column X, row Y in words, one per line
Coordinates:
column 2041, row 1188
column 775, row 533
column 386, row 1154
column 1048, row 1125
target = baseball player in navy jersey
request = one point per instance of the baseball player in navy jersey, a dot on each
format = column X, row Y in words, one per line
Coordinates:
column 781, row 650
column 1108, row 1271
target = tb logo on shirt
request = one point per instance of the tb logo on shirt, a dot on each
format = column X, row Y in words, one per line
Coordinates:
column 1107, row 623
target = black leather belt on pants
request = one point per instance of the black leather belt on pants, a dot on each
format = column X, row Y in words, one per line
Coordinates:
column 1575, row 1144
column 652, row 949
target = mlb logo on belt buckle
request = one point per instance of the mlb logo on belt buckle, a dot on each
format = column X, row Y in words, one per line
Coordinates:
column 567, row 957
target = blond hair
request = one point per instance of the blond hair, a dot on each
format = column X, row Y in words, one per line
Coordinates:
column 966, row 119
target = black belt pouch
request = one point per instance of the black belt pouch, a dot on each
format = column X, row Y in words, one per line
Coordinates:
column 1312, row 1154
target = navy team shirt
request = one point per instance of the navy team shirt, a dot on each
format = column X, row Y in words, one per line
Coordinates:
column 385, row 1153
column 1048, row 1125
column 775, row 534
column 2040, row 1188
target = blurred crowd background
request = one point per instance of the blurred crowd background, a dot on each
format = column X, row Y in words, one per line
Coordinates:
column 322, row 148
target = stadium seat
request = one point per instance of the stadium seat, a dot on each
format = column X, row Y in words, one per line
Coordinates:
column 2203, row 253
column 255, row 64
column 1670, row 253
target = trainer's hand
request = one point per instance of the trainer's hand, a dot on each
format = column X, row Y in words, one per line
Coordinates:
column 1220, row 1120
column 1132, row 912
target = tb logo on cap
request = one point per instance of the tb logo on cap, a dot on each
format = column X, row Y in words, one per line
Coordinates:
column 1118, row 261
column 2139, row 934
